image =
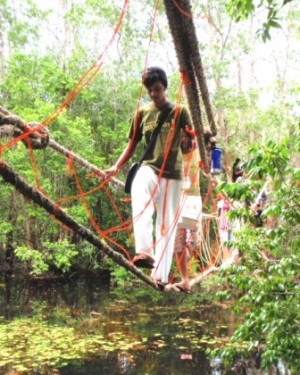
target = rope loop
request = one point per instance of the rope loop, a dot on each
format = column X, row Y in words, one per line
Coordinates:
column 184, row 78
column 189, row 131
column 37, row 140
column 184, row 75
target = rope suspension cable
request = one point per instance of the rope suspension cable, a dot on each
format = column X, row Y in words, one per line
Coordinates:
column 83, row 82
column 183, row 31
column 12, row 125
column 209, row 252
column 37, row 132
column 185, row 42
column 37, row 197
column 34, row 141
column 35, row 136
column 185, row 10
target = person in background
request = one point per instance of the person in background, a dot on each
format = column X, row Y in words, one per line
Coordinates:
column 258, row 207
column 157, row 184
column 227, row 228
column 188, row 239
column 236, row 170
column 223, row 207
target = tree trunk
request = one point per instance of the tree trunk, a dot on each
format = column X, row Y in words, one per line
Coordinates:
column 190, row 31
column 183, row 52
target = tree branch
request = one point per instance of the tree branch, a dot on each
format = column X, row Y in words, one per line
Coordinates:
column 53, row 209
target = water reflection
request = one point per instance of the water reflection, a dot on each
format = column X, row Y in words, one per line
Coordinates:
column 153, row 365
column 168, row 337
column 249, row 366
column 79, row 293
column 216, row 365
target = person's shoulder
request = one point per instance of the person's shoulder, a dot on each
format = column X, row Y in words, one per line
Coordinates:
column 145, row 107
column 142, row 110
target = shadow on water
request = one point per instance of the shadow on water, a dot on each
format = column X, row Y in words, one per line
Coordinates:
column 94, row 331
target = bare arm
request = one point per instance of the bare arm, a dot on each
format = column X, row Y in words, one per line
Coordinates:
column 124, row 157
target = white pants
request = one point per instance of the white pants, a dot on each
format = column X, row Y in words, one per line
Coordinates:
column 147, row 194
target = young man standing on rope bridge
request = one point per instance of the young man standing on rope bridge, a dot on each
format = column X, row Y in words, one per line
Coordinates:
column 157, row 184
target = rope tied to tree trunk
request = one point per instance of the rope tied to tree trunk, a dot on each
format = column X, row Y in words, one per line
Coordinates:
column 184, row 78
column 13, row 126
column 37, row 140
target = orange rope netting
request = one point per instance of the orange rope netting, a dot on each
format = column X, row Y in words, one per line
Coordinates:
column 205, row 257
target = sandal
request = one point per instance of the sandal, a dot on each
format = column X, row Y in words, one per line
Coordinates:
column 161, row 285
column 143, row 261
column 181, row 288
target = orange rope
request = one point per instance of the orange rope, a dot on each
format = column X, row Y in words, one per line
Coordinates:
column 83, row 82
column 188, row 15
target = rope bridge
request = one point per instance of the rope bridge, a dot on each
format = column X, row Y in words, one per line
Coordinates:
column 35, row 137
column 210, row 251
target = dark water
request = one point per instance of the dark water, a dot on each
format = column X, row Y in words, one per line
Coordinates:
column 166, row 333
column 170, row 331
column 144, row 364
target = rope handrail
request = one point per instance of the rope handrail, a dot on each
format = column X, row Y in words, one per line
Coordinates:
column 18, row 126
column 37, row 197
column 12, row 125
column 36, row 136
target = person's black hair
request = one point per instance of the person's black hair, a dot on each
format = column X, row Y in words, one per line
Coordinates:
column 155, row 74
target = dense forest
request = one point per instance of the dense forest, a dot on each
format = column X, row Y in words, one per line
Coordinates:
column 76, row 65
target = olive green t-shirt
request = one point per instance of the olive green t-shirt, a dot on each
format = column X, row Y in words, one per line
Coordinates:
column 160, row 155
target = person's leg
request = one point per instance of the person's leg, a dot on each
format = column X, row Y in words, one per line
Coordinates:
column 182, row 263
column 166, row 223
column 181, row 255
column 143, row 209
column 191, row 240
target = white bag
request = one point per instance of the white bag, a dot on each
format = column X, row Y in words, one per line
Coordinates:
column 191, row 211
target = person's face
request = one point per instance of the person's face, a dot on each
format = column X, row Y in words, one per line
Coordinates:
column 157, row 94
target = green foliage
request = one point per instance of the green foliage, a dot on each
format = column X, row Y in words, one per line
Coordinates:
column 241, row 10
column 25, row 344
column 32, row 81
column 35, row 257
column 60, row 254
column 19, row 23
column 266, row 281
column 56, row 336
column 125, row 283
column 94, row 125
column 5, row 228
